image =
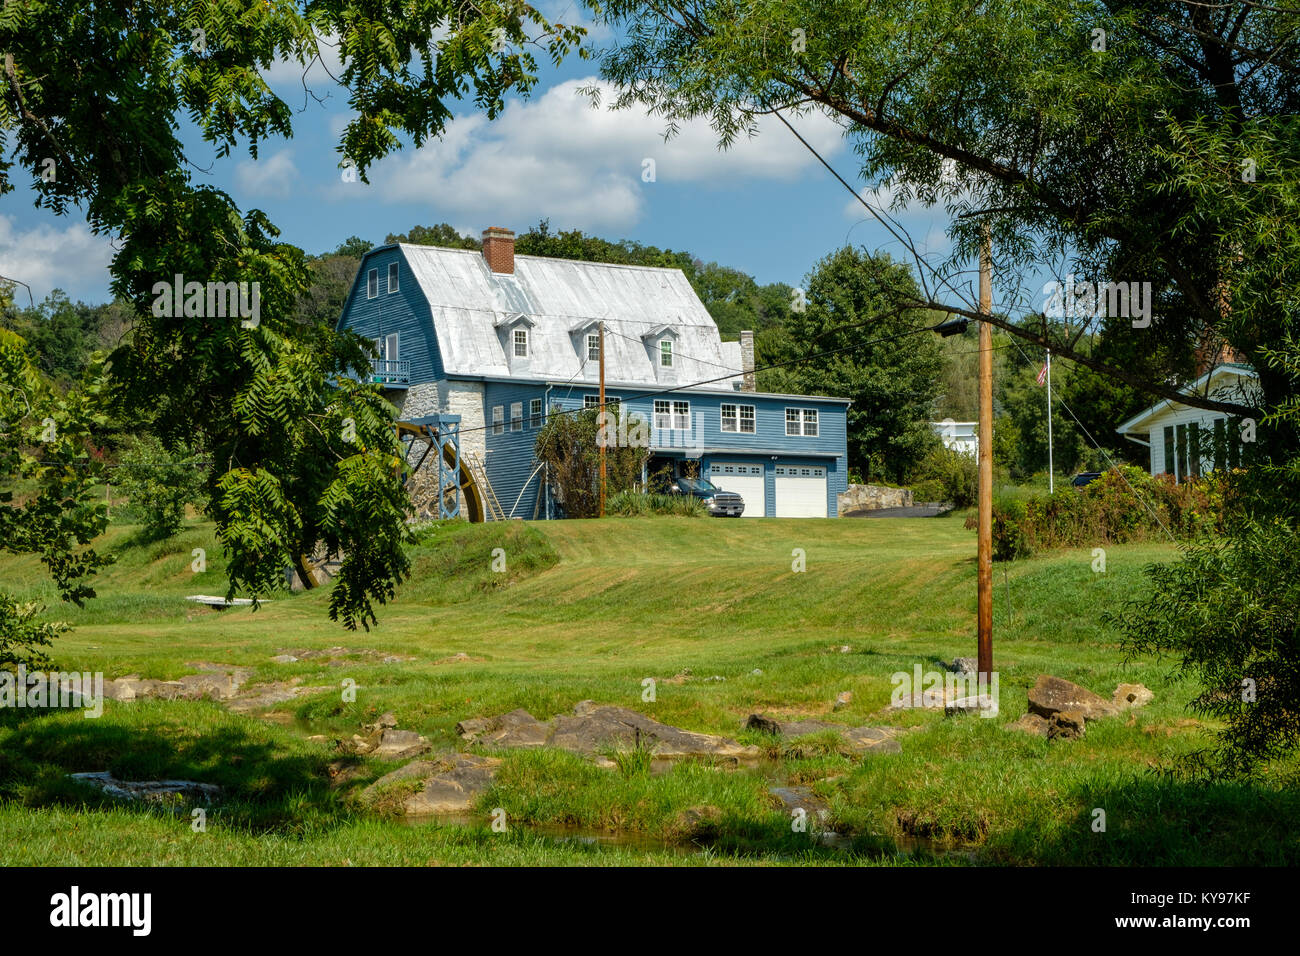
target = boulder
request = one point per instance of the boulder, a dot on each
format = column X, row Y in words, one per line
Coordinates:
column 149, row 790
column 1031, row 723
column 1131, row 695
column 860, row 740
column 1066, row 725
column 1051, row 695
column 399, row 744
column 593, row 729
column 964, row 665
column 873, row 740
column 451, row 784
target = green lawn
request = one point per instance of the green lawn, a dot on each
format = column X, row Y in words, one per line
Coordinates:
column 587, row 610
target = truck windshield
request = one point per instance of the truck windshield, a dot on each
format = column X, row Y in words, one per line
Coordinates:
column 696, row 484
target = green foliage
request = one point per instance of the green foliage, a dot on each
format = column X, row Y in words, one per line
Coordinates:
column 1124, row 504
column 23, row 637
column 1228, row 611
column 568, row 444
column 268, row 400
column 893, row 384
column 633, row 504
column 46, row 443
column 946, row 475
column 159, row 483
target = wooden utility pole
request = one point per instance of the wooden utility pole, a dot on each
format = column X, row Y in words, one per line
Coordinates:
column 985, row 562
column 602, row 432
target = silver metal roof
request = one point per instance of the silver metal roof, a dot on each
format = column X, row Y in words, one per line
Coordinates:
column 474, row 308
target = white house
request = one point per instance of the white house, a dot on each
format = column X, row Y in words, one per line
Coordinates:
column 959, row 436
column 1187, row 441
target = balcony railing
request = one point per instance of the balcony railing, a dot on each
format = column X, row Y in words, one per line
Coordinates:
column 391, row 373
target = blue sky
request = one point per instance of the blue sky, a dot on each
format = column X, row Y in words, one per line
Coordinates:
column 766, row 206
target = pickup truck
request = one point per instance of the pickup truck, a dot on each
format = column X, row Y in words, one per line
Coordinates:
column 721, row 504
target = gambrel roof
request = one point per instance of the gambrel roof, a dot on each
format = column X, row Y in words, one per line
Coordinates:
column 469, row 305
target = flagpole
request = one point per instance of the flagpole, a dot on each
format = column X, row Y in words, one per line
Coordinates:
column 1051, row 470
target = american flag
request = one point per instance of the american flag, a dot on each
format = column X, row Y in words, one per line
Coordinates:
column 1042, row 374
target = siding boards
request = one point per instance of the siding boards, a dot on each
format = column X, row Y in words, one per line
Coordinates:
column 510, row 458
column 405, row 312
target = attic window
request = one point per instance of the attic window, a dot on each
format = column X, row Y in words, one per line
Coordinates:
column 372, row 283
column 593, row 348
column 665, row 353
column 392, row 276
column 520, row 338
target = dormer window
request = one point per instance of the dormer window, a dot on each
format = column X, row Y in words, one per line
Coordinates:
column 515, row 331
column 661, row 349
column 593, row 348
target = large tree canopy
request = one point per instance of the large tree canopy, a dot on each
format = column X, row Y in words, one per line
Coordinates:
column 1065, row 126
column 92, row 99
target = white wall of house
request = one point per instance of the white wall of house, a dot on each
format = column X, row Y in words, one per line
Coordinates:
column 1190, row 448
column 960, row 437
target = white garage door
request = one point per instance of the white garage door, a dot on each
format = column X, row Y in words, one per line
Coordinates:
column 745, row 480
column 800, row 491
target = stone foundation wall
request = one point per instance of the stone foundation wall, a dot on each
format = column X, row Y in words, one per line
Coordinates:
column 873, row 497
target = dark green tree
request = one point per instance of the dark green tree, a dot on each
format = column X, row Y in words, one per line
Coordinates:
column 893, row 384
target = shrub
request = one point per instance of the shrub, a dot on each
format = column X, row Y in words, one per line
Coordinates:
column 630, row 504
column 159, row 484
column 1124, row 504
column 947, row 475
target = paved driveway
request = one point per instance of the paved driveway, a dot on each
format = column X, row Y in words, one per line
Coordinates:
column 925, row 510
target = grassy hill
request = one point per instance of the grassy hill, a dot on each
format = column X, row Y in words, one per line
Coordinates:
column 587, row 610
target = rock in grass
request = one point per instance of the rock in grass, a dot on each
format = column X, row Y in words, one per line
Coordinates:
column 151, row 791
column 1051, row 695
column 451, row 784
column 1131, row 695
column 842, row 700
column 1066, row 725
column 399, row 744
column 964, row 665
column 1031, row 723
column 593, row 729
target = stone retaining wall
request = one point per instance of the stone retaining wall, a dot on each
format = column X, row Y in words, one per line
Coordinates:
column 872, row 497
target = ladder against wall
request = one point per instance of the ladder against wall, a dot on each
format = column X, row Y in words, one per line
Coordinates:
column 478, row 472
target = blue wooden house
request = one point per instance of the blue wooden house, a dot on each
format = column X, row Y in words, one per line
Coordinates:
column 477, row 348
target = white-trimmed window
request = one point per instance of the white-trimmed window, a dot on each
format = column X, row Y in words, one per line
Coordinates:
column 738, row 418
column 390, row 350
column 593, row 347
column 535, row 413
column 498, row 419
column 672, row 415
column 516, row 416
column 593, row 401
column 372, row 283
column 520, row 338
column 392, row 276
column 666, row 353
column 801, row 421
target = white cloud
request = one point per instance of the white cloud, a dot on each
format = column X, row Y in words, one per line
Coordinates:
column 556, row 156
column 46, row 257
column 274, row 175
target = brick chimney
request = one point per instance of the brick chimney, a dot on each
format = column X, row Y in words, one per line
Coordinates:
column 499, row 249
column 747, row 362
